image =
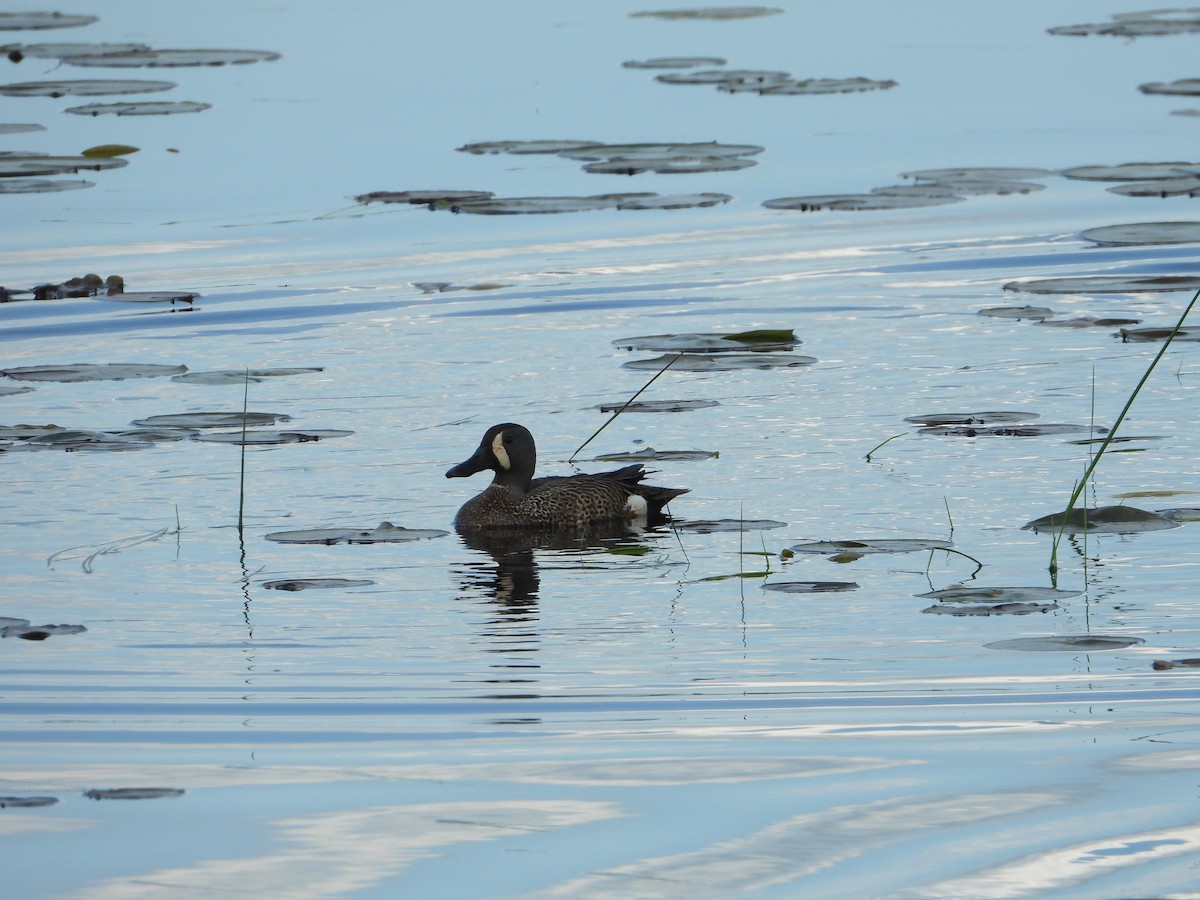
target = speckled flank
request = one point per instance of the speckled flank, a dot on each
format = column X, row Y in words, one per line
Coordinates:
column 516, row 499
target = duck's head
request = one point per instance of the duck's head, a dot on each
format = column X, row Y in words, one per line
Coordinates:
column 508, row 450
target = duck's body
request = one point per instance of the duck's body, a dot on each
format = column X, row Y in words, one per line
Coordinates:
column 515, row 499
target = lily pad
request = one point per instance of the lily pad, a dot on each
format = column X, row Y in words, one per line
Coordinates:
column 754, row 79
column 306, row 436
column 171, row 58
column 90, row 87
column 964, row 188
column 511, row 206
column 860, row 202
column 675, row 201
column 995, row 609
column 1138, row 171
column 133, row 793
column 1101, row 520
column 212, row 420
column 649, row 453
column 240, row 376
column 971, row 418
column 967, row 593
column 19, row 127
column 1106, row 284
column 977, row 173
column 1145, row 233
column 1017, row 312
column 721, row 362
column 307, row 584
column 524, row 147
column 31, row 21
column 717, row 13
column 1187, row 186
column 1185, row 87
column 151, row 297
column 18, row 52
column 822, row 86
column 674, row 62
column 26, row 802
column 1008, row 430
column 719, row 526
column 385, row 533
column 8, row 390
column 762, row 339
column 1086, row 322
column 41, row 185
column 422, row 198
column 29, row 164
column 80, row 439
column 693, row 150
column 1087, row 643
column 148, row 108
column 29, row 632
column 810, row 587
column 668, row 166
column 1145, row 335
column 75, row 372
column 657, row 406
column 855, row 548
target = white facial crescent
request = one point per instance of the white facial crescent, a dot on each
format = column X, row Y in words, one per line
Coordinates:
column 499, row 452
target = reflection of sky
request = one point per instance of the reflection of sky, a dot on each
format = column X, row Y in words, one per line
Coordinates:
column 378, row 100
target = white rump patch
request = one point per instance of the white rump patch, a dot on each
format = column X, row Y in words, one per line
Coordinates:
column 636, row 506
column 499, row 452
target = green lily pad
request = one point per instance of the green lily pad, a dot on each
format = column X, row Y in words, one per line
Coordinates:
column 385, row 533
column 93, row 87
column 716, row 13
column 657, row 406
column 674, row 62
column 762, row 339
column 1106, row 284
column 31, row 21
column 308, row 584
column 870, row 545
column 75, row 372
column 810, row 587
column 170, row 58
column 1086, row 643
column 240, row 376
column 721, row 362
column 971, row 418
column 722, row 526
column 212, row 420
column 1102, row 520
column 148, row 108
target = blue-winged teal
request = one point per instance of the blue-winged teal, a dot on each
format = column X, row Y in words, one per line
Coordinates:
column 515, row 499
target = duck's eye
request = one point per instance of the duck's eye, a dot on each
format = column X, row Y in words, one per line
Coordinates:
column 508, row 438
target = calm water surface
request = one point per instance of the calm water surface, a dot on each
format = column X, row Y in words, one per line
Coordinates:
column 578, row 722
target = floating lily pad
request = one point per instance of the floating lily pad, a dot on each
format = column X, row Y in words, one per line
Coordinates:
column 1188, row 186
column 212, row 420
column 108, row 151
column 1087, row 322
column 18, row 52
column 31, row 21
column 971, row 418
column 133, row 793
column 440, row 287
column 75, row 372
column 273, row 437
column 151, row 297
column 41, row 185
column 8, row 390
column 860, row 202
column 511, row 206
column 90, row 87
column 1130, row 28
column 977, row 173
column 1102, row 520
column 19, row 128
column 995, row 609
column 1009, row 430
column 1139, row 171
column 26, row 802
column 148, row 108
column 649, row 453
column 657, row 406
column 385, row 533
column 718, row 526
column 1186, row 87
column 752, row 78
column 29, row 164
column 668, row 166
column 25, row 432
column 1123, row 439
column 821, row 86
column 1067, row 642
column 871, row 545
column 675, row 201
column 29, row 632
column 524, row 147
column 170, row 58
column 422, row 198
column 674, row 62
column 1145, row 233
column 240, row 376
column 810, row 587
column 1106, row 284
column 962, row 188
column 693, row 150
column 721, row 362
column 307, row 584
column 1017, row 312
column 80, row 439
column 1145, row 335
column 710, row 12
column 761, row 339
column 967, row 593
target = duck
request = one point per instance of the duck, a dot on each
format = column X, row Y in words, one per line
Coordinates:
column 515, row 499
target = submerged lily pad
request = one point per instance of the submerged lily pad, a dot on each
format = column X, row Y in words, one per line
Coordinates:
column 861, row 202
column 8, row 390
column 41, row 185
column 1067, row 642
column 212, row 420
column 871, row 545
column 994, row 609
column 1102, row 520
column 1186, row 87
column 75, row 372
column 31, row 21
column 1106, row 284
column 674, row 62
column 422, row 198
column 710, row 12
column 649, row 453
column 1145, row 233
column 19, row 127
column 306, row 584
column 1144, row 335
column 170, row 58
column 148, row 108
column 240, row 376
column 810, row 587
column 308, row 435
column 29, row 632
column 761, row 339
column 1008, row 430
column 718, row 526
column 721, row 362
column 967, row 593
column 88, row 87
column 1017, row 312
column 133, row 793
column 385, row 533
column 656, row 406
column 971, row 418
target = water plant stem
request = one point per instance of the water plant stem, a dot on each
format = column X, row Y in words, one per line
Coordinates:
column 242, row 474
column 673, row 360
